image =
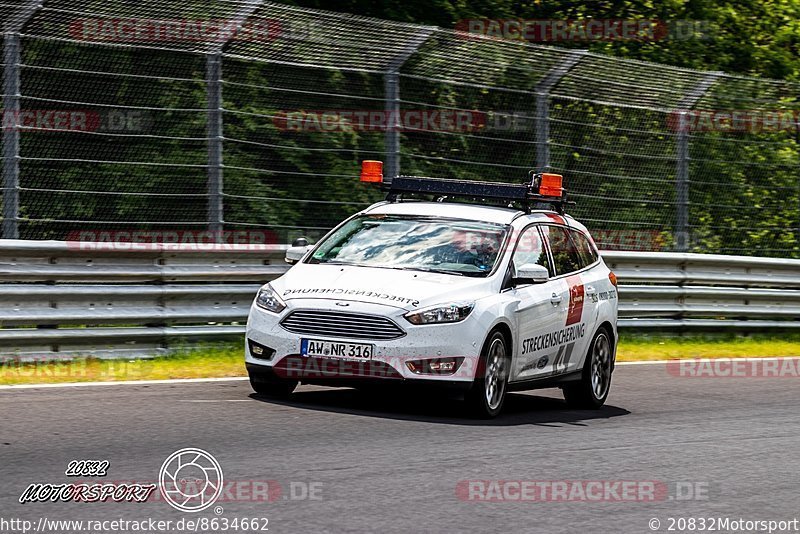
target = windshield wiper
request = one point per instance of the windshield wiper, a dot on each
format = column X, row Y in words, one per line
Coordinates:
column 423, row 269
column 339, row 263
column 428, row 270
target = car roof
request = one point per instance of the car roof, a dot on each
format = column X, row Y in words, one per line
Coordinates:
column 552, row 217
column 472, row 212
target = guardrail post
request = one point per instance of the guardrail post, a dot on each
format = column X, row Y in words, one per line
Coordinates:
column 12, row 57
column 542, row 118
column 682, row 162
column 392, row 107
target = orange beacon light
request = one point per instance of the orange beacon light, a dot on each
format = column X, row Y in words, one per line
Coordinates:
column 551, row 185
column 372, row 171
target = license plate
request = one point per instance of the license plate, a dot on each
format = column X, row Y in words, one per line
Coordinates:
column 335, row 349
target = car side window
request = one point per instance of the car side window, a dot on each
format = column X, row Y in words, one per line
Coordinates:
column 530, row 249
column 586, row 251
column 565, row 255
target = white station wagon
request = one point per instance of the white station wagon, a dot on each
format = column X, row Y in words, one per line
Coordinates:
column 488, row 288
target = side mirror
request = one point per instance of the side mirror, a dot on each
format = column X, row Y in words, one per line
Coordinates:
column 531, row 273
column 298, row 249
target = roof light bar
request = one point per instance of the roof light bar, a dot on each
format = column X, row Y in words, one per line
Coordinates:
column 462, row 188
column 545, row 188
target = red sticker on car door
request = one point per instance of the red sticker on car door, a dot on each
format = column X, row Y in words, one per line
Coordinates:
column 576, row 296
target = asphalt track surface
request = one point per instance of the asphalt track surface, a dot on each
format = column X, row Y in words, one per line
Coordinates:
column 393, row 464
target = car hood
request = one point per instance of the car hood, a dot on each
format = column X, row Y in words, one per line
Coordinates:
column 409, row 290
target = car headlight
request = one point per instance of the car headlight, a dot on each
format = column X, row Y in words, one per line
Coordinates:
column 269, row 299
column 449, row 313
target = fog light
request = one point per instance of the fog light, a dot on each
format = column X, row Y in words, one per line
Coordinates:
column 260, row 352
column 444, row 367
column 436, row 366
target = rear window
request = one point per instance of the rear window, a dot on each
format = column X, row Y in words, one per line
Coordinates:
column 586, row 251
column 565, row 255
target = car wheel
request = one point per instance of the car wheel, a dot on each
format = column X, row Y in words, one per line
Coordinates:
column 272, row 386
column 592, row 390
column 485, row 398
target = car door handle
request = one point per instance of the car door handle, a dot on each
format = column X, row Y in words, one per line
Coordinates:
column 556, row 299
column 590, row 290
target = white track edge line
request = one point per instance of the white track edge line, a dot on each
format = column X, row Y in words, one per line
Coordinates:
column 126, row 383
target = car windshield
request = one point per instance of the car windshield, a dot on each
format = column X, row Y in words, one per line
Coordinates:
column 452, row 246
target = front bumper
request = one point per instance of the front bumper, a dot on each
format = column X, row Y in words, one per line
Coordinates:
column 343, row 377
column 388, row 362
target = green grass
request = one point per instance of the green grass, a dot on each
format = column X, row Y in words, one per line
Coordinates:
column 205, row 361
column 638, row 347
column 226, row 360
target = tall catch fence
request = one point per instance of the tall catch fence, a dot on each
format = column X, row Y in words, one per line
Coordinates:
column 174, row 118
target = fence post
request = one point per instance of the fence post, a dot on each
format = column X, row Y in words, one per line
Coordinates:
column 215, row 142
column 12, row 57
column 11, row 89
column 542, row 118
column 682, row 161
column 214, row 121
column 392, row 107
column 392, row 136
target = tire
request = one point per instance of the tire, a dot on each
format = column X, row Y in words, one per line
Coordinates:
column 271, row 386
column 488, row 392
column 591, row 391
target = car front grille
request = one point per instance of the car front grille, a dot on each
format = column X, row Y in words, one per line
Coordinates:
column 338, row 324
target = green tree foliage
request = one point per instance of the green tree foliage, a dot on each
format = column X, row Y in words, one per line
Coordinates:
column 759, row 37
column 619, row 159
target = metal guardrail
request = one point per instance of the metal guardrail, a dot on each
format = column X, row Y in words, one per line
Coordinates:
column 660, row 290
column 65, row 298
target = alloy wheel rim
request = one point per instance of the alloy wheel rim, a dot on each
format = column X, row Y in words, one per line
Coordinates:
column 494, row 378
column 601, row 366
